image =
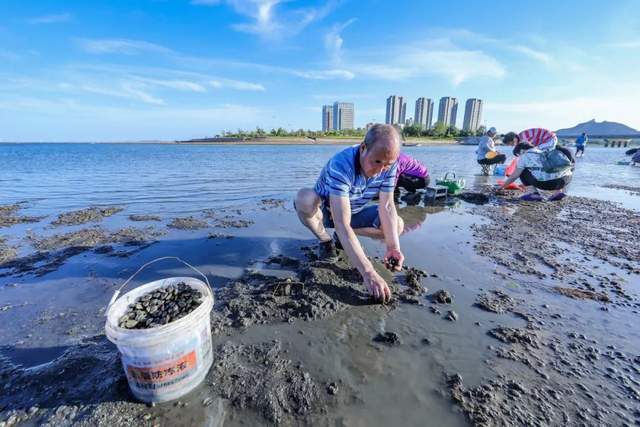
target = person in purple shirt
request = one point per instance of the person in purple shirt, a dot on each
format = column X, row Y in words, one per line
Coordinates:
column 411, row 174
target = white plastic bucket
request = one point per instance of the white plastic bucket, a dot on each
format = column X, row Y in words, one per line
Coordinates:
column 166, row 362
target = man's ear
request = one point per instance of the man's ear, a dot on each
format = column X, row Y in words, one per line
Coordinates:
column 362, row 147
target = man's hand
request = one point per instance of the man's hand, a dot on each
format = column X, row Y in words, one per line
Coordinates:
column 393, row 253
column 377, row 287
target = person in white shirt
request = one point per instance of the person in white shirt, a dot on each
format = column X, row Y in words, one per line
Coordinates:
column 486, row 153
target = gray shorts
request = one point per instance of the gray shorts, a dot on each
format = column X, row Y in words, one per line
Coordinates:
column 366, row 218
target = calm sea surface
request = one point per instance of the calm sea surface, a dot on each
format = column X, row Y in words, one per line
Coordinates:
column 175, row 180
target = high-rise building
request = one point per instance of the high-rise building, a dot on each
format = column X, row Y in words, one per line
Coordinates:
column 472, row 114
column 424, row 113
column 396, row 110
column 343, row 115
column 327, row 117
column 448, row 111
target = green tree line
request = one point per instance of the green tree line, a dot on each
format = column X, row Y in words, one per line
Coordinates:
column 439, row 130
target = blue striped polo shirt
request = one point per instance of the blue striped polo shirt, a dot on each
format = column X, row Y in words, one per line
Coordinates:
column 342, row 176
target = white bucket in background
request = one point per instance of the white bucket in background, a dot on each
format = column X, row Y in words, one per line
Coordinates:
column 165, row 362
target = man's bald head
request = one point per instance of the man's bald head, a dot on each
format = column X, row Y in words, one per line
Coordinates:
column 380, row 149
column 382, row 136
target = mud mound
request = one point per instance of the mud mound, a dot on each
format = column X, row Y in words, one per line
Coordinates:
column 513, row 335
column 145, row 218
column 9, row 216
column 7, row 253
column 634, row 191
column 82, row 216
column 259, row 378
column 271, row 203
column 187, row 223
column 54, row 250
column 321, row 289
column 582, row 294
column 496, row 302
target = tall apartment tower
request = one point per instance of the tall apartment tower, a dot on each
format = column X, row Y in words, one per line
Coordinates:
column 396, row 110
column 472, row 114
column 448, row 111
column 343, row 115
column 424, row 113
column 327, row 117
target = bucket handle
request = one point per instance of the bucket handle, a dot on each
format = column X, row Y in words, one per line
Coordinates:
column 446, row 175
column 116, row 294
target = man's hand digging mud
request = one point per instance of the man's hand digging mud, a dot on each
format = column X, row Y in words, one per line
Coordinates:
column 377, row 287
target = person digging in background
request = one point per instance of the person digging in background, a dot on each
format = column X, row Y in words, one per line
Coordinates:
column 412, row 175
column 340, row 200
column 486, row 153
column 549, row 170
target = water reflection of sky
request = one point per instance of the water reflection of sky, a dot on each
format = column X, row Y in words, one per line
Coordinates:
column 176, row 180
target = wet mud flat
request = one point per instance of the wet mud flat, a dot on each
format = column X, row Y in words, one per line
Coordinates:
column 575, row 362
column 261, row 378
column 510, row 338
column 50, row 252
column 41, row 252
column 9, row 216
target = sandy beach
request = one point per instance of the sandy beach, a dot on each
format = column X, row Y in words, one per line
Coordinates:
column 493, row 321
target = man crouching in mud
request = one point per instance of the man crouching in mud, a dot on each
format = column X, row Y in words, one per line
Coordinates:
column 346, row 185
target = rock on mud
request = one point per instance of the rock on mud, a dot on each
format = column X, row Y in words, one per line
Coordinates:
column 442, row 297
column 161, row 306
column 82, row 216
column 474, row 198
column 387, row 338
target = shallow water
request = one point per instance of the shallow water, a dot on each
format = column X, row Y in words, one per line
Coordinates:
column 175, row 180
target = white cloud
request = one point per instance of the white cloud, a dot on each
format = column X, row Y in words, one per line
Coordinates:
column 333, row 40
column 270, row 21
column 455, row 64
column 123, row 90
column 540, row 56
column 237, row 85
column 120, row 46
column 620, row 106
column 324, row 74
column 175, row 84
column 470, row 37
column 51, row 19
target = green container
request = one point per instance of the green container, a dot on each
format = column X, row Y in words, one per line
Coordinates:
column 454, row 186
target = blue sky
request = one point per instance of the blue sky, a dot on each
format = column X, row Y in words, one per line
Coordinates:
column 138, row 70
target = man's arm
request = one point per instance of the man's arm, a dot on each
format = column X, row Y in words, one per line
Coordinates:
column 341, row 213
column 389, row 222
